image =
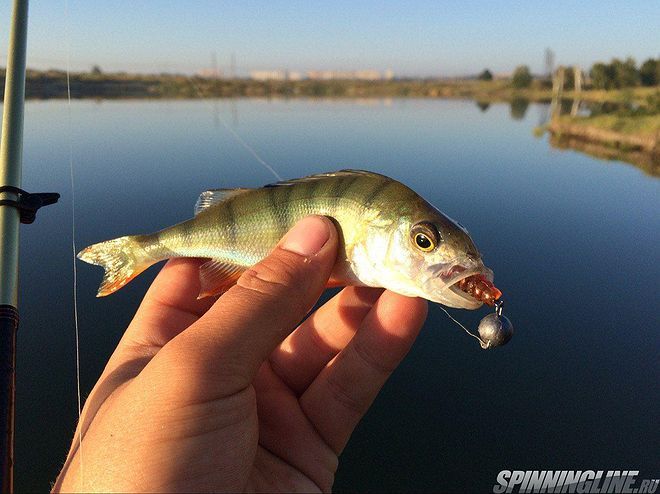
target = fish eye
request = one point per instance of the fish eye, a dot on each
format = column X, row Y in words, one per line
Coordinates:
column 423, row 242
column 425, row 236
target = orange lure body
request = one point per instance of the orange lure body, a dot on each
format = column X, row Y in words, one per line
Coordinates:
column 480, row 288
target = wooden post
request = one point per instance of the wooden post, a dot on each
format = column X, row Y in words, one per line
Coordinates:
column 577, row 78
column 557, row 90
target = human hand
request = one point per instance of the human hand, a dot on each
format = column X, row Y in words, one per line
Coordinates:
column 228, row 395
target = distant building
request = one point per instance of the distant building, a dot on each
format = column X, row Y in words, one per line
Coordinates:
column 362, row 75
column 326, row 75
column 321, row 75
column 268, row 75
column 294, row 76
column 367, row 75
column 209, row 73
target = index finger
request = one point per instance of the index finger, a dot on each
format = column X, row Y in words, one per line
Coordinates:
column 169, row 307
column 171, row 303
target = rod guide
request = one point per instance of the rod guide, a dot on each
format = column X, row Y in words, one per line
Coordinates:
column 28, row 203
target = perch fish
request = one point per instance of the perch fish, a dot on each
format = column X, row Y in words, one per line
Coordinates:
column 389, row 237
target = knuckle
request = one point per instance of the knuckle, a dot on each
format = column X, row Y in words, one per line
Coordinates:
column 342, row 395
column 371, row 360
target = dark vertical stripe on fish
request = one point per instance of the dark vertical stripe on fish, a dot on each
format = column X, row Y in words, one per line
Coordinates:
column 377, row 190
column 359, row 187
column 335, row 189
column 277, row 212
column 316, row 184
column 271, row 205
column 285, row 190
column 348, row 183
column 299, row 192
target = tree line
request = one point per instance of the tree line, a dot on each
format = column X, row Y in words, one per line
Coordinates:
column 617, row 74
column 620, row 74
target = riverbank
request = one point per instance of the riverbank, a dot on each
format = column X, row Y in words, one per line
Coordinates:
column 641, row 133
column 630, row 135
column 53, row 84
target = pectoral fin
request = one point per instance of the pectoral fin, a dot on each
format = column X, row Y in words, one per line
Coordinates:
column 217, row 277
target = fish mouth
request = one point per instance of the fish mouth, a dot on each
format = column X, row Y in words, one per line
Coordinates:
column 451, row 278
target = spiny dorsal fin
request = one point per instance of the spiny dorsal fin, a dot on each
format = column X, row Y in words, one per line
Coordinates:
column 217, row 277
column 214, row 196
column 320, row 176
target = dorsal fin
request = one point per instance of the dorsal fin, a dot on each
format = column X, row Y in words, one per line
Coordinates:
column 320, row 176
column 214, row 196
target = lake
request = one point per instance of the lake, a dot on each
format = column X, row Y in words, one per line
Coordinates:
column 573, row 242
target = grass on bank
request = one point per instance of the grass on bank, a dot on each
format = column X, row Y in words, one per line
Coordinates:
column 644, row 125
column 638, row 114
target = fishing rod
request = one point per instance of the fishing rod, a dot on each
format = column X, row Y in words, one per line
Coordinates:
column 16, row 206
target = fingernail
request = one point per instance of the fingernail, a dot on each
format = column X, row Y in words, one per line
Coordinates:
column 307, row 237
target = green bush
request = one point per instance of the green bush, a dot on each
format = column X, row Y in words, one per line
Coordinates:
column 486, row 75
column 522, row 77
column 649, row 72
column 625, row 73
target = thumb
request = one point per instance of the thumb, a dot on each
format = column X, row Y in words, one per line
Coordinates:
column 226, row 346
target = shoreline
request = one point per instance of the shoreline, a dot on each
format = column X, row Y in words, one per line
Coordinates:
column 648, row 143
column 53, row 85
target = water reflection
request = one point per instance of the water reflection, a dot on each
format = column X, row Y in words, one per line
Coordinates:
column 519, row 108
column 648, row 162
column 624, row 131
column 483, row 106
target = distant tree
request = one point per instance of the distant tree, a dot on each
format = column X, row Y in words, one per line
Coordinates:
column 602, row 76
column 522, row 77
column 625, row 73
column 649, row 72
column 96, row 70
column 615, row 75
column 486, row 75
column 569, row 77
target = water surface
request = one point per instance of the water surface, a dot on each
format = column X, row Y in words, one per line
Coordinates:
column 573, row 242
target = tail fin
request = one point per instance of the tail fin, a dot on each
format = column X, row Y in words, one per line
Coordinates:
column 122, row 258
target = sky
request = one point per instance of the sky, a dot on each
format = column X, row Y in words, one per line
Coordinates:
column 412, row 38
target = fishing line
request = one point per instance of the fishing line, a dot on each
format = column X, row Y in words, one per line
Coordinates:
column 481, row 342
column 238, row 138
column 73, row 234
column 249, row 148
